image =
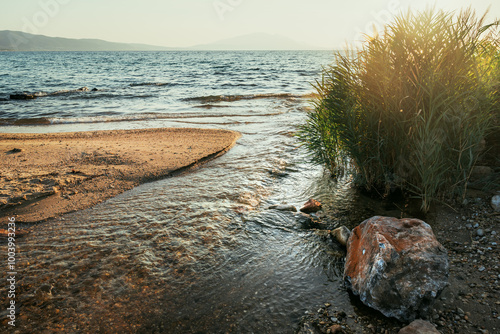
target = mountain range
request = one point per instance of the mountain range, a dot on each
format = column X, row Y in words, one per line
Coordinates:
column 21, row 41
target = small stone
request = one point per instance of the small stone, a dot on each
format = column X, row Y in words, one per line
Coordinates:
column 283, row 208
column 15, row 150
column 335, row 329
column 341, row 234
column 495, row 203
column 334, row 319
column 480, row 233
column 493, row 232
column 469, row 226
column 476, row 225
column 482, row 268
column 311, row 206
column 419, row 327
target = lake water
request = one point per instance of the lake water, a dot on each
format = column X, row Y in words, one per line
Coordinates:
column 199, row 252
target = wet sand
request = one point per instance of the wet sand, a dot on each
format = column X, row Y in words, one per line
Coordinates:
column 46, row 175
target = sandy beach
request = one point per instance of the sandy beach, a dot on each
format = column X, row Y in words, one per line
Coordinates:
column 46, row 175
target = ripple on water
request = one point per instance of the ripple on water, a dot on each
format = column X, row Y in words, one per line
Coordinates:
column 197, row 252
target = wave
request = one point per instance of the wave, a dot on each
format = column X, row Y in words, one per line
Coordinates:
column 32, row 96
column 149, row 84
column 233, row 98
column 120, row 118
column 25, row 121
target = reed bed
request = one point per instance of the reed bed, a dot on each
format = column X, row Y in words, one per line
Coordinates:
column 410, row 109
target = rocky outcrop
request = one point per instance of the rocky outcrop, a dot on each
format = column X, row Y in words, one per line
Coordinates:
column 31, row 96
column 396, row 266
column 22, row 96
column 311, row 206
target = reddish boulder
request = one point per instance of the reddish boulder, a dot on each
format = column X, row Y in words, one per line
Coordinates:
column 311, row 206
column 396, row 266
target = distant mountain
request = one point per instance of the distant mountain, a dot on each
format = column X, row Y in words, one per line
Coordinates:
column 20, row 41
column 257, row 41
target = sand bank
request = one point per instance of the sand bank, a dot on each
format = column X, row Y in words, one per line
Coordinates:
column 46, row 175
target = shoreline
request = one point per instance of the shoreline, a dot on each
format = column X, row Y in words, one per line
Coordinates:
column 43, row 176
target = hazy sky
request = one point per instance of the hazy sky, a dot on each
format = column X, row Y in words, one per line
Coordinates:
column 180, row 23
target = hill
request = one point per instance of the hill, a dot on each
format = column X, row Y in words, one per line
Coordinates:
column 20, row 41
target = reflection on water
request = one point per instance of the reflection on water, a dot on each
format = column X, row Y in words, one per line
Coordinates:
column 196, row 253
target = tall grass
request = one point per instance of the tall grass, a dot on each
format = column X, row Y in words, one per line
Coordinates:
column 410, row 108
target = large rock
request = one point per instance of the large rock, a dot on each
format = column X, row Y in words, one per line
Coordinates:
column 396, row 266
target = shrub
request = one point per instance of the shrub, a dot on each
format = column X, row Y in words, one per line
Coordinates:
column 410, row 108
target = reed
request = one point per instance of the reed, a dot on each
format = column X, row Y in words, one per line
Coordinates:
column 410, row 108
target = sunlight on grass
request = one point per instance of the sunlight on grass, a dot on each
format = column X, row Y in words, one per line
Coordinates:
column 411, row 108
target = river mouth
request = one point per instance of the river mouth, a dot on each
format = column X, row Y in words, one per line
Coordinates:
column 199, row 252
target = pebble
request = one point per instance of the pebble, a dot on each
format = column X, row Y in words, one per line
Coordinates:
column 476, row 225
column 482, row 268
column 493, row 232
column 480, row 233
column 469, row 226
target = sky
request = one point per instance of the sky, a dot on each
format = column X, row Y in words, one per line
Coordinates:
column 183, row 23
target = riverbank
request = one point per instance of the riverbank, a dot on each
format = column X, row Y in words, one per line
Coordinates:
column 47, row 175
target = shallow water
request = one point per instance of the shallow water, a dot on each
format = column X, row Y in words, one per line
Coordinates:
column 199, row 252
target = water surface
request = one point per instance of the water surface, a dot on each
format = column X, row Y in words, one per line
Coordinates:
column 199, row 252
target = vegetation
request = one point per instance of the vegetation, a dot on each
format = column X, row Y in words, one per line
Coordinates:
column 409, row 109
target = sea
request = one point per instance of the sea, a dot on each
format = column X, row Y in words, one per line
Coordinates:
column 75, row 88
column 201, row 252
